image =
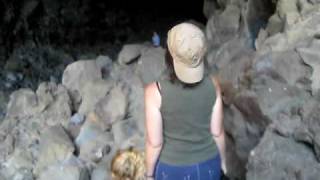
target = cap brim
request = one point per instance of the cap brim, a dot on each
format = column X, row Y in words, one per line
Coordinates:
column 188, row 74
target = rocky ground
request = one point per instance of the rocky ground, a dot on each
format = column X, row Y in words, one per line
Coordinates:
column 68, row 122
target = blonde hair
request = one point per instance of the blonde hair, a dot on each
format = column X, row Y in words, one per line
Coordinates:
column 128, row 165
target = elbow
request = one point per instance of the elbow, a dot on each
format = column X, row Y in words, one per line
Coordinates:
column 155, row 144
column 218, row 133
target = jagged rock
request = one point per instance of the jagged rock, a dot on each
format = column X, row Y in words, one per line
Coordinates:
column 6, row 146
column 18, row 166
column 89, row 130
column 54, row 105
column 209, row 8
column 71, row 169
column 288, row 11
column 122, row 131
column 93, row 142
column 105, row 64
column 269, row 91
column 224, row 26
column 277, row 157
column 130, row 52
column 275, row 25
column 113, row 107
column 310, row 56
column 136, row 140
column 77, row 74
column 23, row 103
column 96, row 148
column 55, row 147
column 101, row 172
column 151, row 64
column 286, row 66
column 92, row 93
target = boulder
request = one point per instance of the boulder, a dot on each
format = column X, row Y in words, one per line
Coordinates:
column 92, row 93
column 224, row 26
column 113, row 107
column 55, row 147
column 93, row 142
column 277, row 157
column 135, row 92
column 23, row 103
column 77, row 74
column 151, row 64
column 104, row 62
column 101, row 172
column 19, row 166
column 310, row 56
column 121, row 131
column 71, row 169
column 130, row 52
column 55, row 105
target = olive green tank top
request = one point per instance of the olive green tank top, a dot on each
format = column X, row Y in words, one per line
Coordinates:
column 186, row 114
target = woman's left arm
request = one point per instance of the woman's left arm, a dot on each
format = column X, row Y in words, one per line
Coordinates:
column 217, row 128
column 153, row 124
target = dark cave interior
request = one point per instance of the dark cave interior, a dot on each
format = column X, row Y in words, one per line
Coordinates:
column 90, row 22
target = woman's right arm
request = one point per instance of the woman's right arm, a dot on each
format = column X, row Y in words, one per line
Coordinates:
column 217, row 128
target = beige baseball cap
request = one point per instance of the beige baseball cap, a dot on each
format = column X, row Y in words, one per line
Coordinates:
column 187, row 46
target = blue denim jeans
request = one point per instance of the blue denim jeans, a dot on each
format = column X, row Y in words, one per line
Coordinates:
column 206, row 170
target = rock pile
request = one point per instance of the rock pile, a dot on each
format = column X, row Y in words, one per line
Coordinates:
column 266, row 55
column 72, row 130
column 271, row 85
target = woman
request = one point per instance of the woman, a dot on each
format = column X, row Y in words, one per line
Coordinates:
column 184, row 114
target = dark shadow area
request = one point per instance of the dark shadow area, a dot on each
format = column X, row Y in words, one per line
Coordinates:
column 258, row 15
column 89, row 22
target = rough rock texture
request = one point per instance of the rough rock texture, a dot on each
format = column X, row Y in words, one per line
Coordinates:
column 151, row 64
column 129, row 53
column 77, row 74
column 71, row 169
column 266, row 56
column 267, row 66
column 55, row 147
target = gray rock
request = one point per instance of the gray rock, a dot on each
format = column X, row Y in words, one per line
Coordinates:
column 129, row 53
column 92, row 93
column 23, row 102
column 224, row 26
column 121, row 132
column 113, row 107
column 71, row 169
column 76, row 75
column 310, row 56
column 54, row 105
column 19, row 166
column 135, row 92
column 151, row 64
column 105, row 63
column 101, row 172
column 55, row 147
column 277, row 157
column 286, row 66
column 93, row 142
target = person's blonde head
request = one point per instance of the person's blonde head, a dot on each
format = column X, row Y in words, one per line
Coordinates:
column 128, row 165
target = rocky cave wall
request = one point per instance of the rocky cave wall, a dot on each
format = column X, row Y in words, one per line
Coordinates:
column 266, row 55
